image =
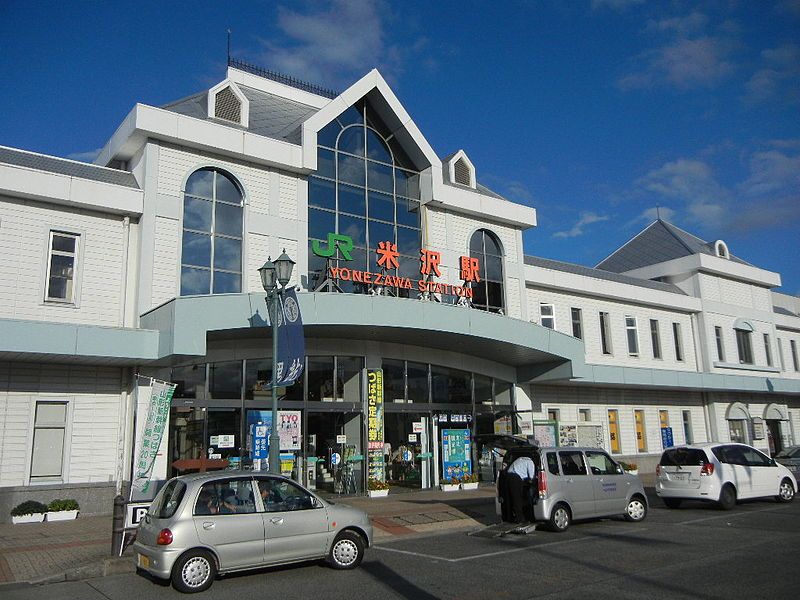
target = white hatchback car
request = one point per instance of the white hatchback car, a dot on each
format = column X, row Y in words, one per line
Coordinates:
column 722, row 473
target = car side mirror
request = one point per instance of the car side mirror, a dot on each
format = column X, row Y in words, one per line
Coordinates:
column 773, row 462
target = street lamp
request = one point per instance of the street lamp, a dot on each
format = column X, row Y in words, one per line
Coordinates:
column 273, row 274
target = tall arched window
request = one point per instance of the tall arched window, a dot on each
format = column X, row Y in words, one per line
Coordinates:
column 488, row 293
column 366, row 188
column 211, row 260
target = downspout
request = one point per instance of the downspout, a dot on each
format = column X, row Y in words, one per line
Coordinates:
column 126, row 242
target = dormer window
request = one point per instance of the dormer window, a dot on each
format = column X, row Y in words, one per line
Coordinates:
column 226, row 102
column 721, row 249
column 462, row 172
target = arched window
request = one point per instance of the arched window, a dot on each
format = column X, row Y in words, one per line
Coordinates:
column 211, row 258
column 488, row 294
column 365, row 187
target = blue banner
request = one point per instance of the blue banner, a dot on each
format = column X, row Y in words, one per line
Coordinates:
column 291, row 343
column 666, row 437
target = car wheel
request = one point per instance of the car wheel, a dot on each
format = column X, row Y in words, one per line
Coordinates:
column 727, row 497
column 636, row 510
column 560, row 518
column 785, row 491
column 347, row 551
column 194, row 572
column 672, row 502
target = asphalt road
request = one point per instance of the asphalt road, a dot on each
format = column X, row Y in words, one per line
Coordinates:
column 695, row 552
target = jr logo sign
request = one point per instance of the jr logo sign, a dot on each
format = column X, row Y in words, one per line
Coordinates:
column 335, row 240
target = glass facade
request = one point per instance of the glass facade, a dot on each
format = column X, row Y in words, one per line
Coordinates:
column 366, row 188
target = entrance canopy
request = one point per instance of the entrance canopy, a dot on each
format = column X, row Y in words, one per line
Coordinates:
column 536, row 352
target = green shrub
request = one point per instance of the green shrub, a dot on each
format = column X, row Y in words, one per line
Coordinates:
column 66, row 504
column 29, row 507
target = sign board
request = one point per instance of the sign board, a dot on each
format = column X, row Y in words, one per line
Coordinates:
column 341, row 439
column 412, row 437
column 375, row 458
column 225, row 441
column 666, row 437
column 134, row 513
column 335, row 458
column 544, row 433
column 416, row 426
column 291, row 343
column 567, row 435
column 288, row 431
column 759, row 432
column 213, row 440
column 456, row 453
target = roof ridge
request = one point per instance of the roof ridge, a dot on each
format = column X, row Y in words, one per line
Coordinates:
column 669, row 226
column 625, row 244
column 69, row 160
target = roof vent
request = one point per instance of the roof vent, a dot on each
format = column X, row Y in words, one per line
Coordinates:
column 461, row 169
column 227, row 102
column 721, row 249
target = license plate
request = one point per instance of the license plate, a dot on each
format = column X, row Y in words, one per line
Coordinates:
column 144, row 561
column 679, row 476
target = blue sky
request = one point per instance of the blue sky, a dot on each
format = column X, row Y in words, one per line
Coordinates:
column 592, row 111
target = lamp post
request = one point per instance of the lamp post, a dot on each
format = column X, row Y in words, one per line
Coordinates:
column 274, row 277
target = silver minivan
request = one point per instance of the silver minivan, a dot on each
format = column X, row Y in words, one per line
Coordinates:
column 208, row 523
column 572, row 483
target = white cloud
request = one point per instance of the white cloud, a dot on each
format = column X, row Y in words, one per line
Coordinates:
column 691, row 23
column 778, row 77
column 615, row 4
column 651, row 214
column 88, row 156
column 586, row 218
column 683, row 64
column 335, row 44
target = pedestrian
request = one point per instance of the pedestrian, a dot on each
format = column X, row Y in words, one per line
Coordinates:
column 519, row 472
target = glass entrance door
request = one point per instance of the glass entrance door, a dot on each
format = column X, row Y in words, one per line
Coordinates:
column 407, row 450
column 334, row 446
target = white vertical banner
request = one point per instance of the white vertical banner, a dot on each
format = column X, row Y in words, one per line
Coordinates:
column 153, row 403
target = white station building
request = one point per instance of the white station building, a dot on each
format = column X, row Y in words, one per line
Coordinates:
column 145, row 263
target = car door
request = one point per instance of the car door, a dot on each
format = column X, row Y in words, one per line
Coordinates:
column 764, row 474
column 226, row 520
column 609, row 485
column 736, row 469
column 296, row 523
column 577, row 486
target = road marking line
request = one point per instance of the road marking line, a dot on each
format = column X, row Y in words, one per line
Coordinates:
column 730, row 515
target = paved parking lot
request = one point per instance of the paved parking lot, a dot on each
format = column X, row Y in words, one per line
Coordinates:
column 695, row 552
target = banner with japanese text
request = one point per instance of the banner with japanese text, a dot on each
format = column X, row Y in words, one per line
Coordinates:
column 375, row 459
column 291, row 343
column 150, row 435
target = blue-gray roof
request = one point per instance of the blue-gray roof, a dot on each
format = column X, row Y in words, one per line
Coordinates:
column 270, row 115
column 557, row 265
column 658, row 242
column 62, row 166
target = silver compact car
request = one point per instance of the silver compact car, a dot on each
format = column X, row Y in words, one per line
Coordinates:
column 206, row 524
column 571, row 483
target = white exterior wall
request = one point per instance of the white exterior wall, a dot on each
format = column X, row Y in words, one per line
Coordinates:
column 25, row 227
column 785, row 336
column 275, row 217
column 450, row 233
column 737, row 293
column 591, row 308
column 91, row 444
column 726, row 322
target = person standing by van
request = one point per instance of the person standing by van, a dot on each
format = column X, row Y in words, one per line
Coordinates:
column 521, row 470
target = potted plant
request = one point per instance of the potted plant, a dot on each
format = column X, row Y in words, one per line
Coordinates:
column 29, row 511
column 62, row 510
column 631, row 468
column 377, row 488
column 469, row 482
column 450, row 485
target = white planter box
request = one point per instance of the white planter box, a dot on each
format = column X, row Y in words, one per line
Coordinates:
column 470, row 486
column 448, row 487
column 62, row 515
column 633, row 472
column 378, row 493
column 34, row 518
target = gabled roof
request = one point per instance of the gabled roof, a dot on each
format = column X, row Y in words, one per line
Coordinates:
column 479, row 187
column 270, row 115
column 63, row 166
column 658, row 242
column 557, row 265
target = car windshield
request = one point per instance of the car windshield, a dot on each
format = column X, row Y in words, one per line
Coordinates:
column 168, row 500
column 683, row 457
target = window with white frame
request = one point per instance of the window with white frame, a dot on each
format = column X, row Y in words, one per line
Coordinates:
column 548, row 316
column 553, row 414
column 676, row 336
column 795, row 363
column 720, row 346
column 49, row 429
column 655, row 338
column 768, row 349
column 632, row 332
column 577, row 323
column 605, row 333
column 62, row 264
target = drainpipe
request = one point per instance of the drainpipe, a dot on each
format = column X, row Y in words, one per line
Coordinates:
column 126, row 241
